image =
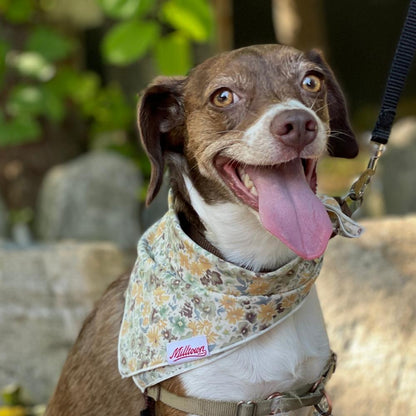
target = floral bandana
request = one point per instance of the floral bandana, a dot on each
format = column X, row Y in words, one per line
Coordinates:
column 179, row 291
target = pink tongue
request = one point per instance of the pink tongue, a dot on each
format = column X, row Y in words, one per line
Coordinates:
column 290, row 210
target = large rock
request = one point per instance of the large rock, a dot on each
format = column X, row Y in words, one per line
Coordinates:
column 398, row 169
column 45, row 294
column 94, row 197
column 367, row 289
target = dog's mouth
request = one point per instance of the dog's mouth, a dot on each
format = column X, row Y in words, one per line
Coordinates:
column 284, row 196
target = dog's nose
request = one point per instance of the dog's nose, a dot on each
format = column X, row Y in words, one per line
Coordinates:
column 294, row 128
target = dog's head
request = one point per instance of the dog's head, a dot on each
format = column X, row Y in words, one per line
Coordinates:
column 248, row 127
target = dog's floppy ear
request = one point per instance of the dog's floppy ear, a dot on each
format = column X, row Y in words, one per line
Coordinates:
column 160, row 118
column 341, row 142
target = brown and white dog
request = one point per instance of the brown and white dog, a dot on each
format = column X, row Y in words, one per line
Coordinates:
column 241, row 136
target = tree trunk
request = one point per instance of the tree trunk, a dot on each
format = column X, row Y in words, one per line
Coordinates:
column 223, row 10
column 299, row 23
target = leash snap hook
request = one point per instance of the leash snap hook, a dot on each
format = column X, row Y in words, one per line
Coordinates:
column 353, row 199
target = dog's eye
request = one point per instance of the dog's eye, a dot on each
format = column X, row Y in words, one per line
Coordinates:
column 224, row 97
column 312, row 83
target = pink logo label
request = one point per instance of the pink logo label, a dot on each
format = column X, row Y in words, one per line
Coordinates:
column 187, row 350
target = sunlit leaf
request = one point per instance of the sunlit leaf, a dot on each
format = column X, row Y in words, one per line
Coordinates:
column 49, row 43
column 126, row 9
column 120, row 9
column 129, row 41
column 194, row 17
column 31, row 64
column 85, row 88
column 173, row 54
column 34, row 101
column 25, row 100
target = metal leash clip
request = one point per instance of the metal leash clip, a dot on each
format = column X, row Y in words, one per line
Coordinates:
column 326, row 409
column 354, row 197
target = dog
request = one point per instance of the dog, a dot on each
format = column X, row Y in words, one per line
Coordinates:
column 241, row 136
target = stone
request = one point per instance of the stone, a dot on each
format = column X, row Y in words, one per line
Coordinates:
column 46, row 291
column 367, row 289
column 94, row 197
column 398, row 169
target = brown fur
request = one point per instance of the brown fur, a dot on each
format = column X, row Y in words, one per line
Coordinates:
column 180, row 127
column 90, row 383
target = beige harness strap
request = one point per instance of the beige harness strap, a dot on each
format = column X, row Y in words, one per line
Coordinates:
column 274, row 404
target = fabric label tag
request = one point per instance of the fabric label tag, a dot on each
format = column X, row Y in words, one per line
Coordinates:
column 189, row 349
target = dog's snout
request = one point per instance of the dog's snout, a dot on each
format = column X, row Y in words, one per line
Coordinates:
column 294, row 128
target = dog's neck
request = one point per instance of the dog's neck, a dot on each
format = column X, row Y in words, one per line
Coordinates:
column 235, row 231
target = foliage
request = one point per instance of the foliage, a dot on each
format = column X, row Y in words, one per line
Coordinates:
column 40, row 81
column 39, row 75
column 14, row 404
column 166, row 31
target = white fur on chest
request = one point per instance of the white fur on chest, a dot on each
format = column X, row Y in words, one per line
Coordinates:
column 285, row 358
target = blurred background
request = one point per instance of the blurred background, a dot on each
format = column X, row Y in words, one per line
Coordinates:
column 73, row 178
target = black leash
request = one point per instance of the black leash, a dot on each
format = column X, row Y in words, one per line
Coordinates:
column 399, row 70
column 398, row 73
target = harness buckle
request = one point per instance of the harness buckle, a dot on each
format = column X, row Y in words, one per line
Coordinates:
column 271, row 397
column 248, row 403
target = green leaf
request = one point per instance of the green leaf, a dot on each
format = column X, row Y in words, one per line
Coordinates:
column 34, row 101
column 85, row 88
column 32, row 64
column 19, row 130
column 54, row 107
column 81, row 88
column 119, row 9
column 19, row 11
column 49, row 43
column 194, row 17
column 25, row 100
column 110, row 111
column 145, row 6
column 4, row 47
column 126, row 9
column 173, row 54
column 128, row 41
column 78, row 86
